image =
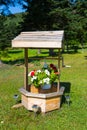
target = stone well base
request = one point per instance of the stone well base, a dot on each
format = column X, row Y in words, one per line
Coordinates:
column 46, row 102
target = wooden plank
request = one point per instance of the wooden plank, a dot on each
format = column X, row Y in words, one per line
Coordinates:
column 17, row 105
column 52, row 103
column 39, row 38
column 42, row 32
column 42, row 58
column 36, row 44
column 26, row 70
column 58, row 86
column 39, row 95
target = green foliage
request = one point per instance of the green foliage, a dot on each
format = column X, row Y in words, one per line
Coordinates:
column 47, row 15
column 70, row 19
column 2, row 32
column 37, row 17
column 9, row 28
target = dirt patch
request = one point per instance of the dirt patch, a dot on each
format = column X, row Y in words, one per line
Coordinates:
column 30, row 65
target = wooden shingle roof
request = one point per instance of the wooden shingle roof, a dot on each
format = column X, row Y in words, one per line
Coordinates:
column 39, row 39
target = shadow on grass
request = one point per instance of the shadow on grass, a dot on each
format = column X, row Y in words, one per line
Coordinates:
column 22, row 60
column 13, row 62
column 54, row 53
column 67, row 86
column 14, row 51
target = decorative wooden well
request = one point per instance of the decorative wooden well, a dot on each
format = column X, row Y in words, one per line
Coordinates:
column 45, row 40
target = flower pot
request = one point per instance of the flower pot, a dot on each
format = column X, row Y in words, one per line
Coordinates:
column 44, row 89
column 46, row 86
column 33, row 89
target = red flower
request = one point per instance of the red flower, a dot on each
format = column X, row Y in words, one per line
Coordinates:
column 53, row 67
column 32, row 73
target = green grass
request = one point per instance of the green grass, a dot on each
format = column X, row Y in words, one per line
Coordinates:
column 73, row 117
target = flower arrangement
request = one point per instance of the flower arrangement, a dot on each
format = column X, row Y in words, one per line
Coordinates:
column 47, row 75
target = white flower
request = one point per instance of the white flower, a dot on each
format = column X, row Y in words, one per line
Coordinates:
column 33, row 78
column 46, row 80
column 38, row 71
column 47, row 72
column 40, row 82
column 29, row 74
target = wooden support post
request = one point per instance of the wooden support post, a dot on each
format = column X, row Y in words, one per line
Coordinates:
column 58, row 86
column 26, row 69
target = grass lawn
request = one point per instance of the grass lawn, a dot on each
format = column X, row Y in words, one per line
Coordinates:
column 73, row 117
